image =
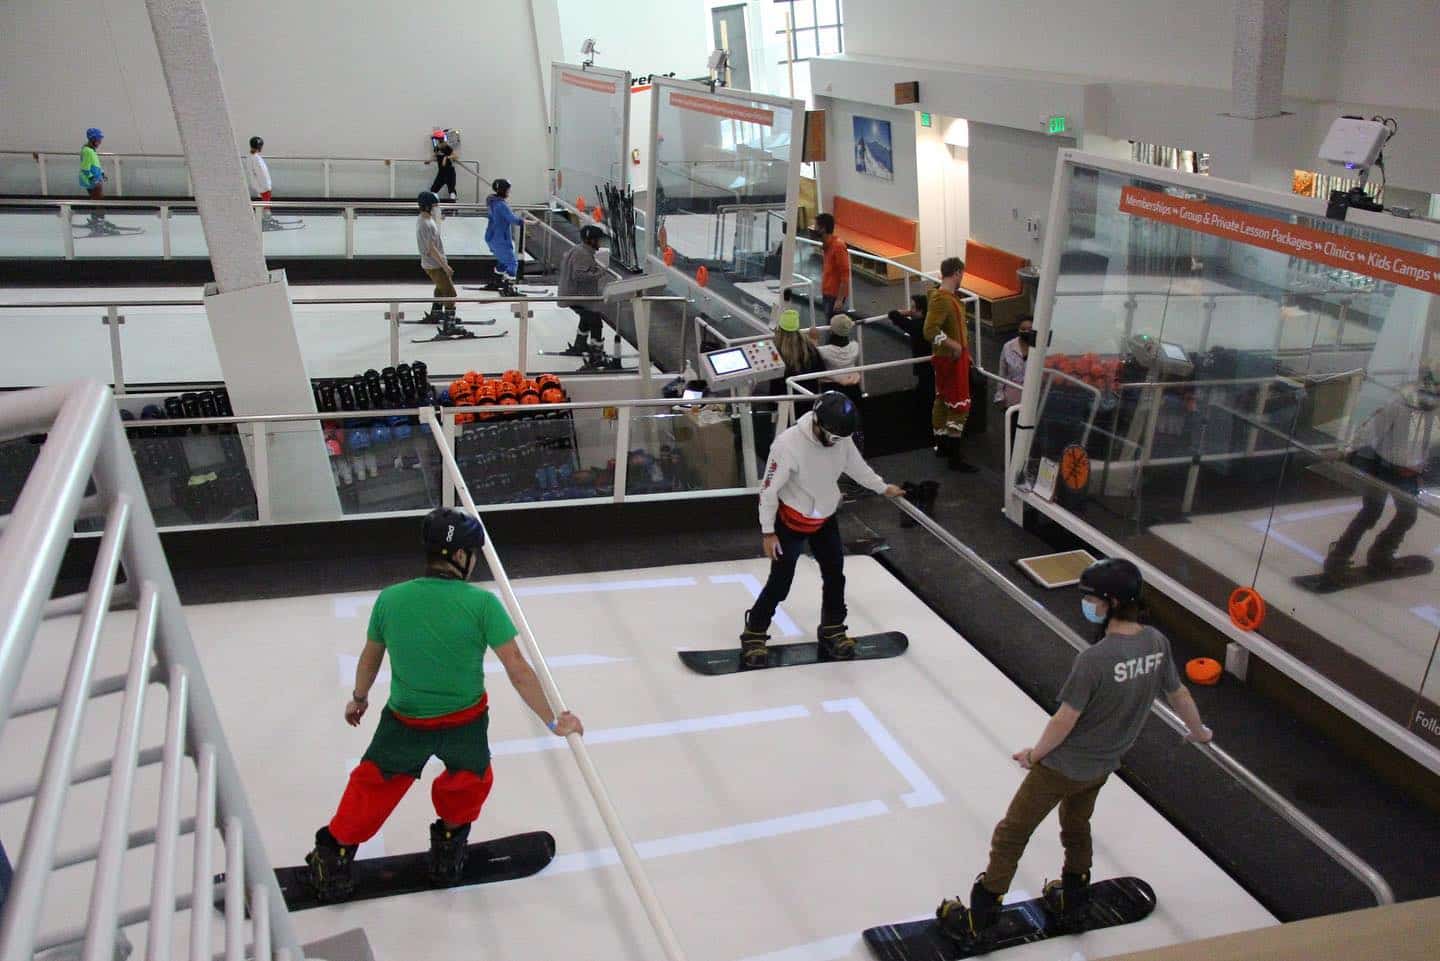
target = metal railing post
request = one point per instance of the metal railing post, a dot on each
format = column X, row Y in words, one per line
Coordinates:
column 119, row 177
column 640, row 310
column 113, row 319
column 622, row 454
column 349, row 233
column 44, row 175
column 390, row 164
column 325, row 167
column 165, row 248
column 394, row 315
column 67, row 231
column 260, row 458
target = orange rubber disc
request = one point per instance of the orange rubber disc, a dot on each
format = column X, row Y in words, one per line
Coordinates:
column 669, row 257
column 580, row 204
column 598, row 214
column 702, row 275
column 1075, row 467
column 1247, row 608
column 1204, row 670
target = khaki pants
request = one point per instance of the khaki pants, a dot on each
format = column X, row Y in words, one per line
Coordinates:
column 1037, row 796
column 444, row 287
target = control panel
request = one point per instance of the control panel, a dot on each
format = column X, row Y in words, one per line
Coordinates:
column 744, row 363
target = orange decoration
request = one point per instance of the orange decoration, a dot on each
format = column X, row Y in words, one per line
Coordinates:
column 1204, row 670
column 702, row 275
column 598, row 214
column 669, row 257
column 1075, row 467
column 1247, row 608
column 580, row 203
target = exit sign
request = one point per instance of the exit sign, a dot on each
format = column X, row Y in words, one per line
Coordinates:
column 924, row 120
column 1055, row 125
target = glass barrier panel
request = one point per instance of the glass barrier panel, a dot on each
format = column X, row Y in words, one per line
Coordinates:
column 116, row 232
column 20, row 175
column 31, row 232
column 524, row 458
column 187, row 235
column 297, row 179
column 464, row 232
column 166, row 345
column 413, row 176
column 155, row 177
column 691, row 449
column 1425, row 718
column 382, row 464
column 62, row 173
column 304, row 233
column 54, row 345
column 194, row 475
column 391, row 233
column 359, row 178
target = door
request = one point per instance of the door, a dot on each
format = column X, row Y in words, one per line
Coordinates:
column 729, row 26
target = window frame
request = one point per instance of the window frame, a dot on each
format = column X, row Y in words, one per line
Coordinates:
column 810, row 36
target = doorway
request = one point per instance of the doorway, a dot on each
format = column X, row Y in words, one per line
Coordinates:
column 729, row 27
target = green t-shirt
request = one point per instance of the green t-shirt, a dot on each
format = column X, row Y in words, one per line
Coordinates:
column 437, row 630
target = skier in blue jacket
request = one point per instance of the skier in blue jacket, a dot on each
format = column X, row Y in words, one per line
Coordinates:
column 498, row 234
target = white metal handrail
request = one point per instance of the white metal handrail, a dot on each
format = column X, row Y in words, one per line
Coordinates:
column 42, row 160
column 86, row 444
column 629, row 857
column 1227, row 763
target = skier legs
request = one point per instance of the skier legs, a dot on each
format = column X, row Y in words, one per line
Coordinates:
column 458, row 794
column 1381, row 555
column 777, row 588
column 829, row 553
column 1338, row 557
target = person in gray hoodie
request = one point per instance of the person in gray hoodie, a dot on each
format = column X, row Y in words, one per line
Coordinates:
column 798, row 500
column 581, row 276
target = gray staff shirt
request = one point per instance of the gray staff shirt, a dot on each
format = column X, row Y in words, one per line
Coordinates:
column 427, row 233
column 1112, row 685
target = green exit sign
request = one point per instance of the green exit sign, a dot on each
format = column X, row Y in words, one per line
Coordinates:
column 1055, row 125
column 924, row 119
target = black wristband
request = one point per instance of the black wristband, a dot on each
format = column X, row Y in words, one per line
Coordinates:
column 359, row 699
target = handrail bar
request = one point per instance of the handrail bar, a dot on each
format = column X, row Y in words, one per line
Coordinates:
column 312, row 301
column 629, row 857
column 1259, row 295
column 180, row 156
column 1323, row 839
column 187, row 203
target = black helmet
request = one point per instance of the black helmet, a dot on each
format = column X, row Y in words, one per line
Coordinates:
column 256, row 143
column 427, row 200
column 500, row 185
column 449, row 529
column 590, row 232
column 1114, row 579
column 837, row 414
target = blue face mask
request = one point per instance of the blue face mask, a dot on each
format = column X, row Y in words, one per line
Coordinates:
column 1091, row 610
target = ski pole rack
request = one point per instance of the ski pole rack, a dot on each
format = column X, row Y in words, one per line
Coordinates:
column 85, row 470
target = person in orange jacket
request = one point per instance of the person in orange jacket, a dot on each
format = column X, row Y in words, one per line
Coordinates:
column 835, row 274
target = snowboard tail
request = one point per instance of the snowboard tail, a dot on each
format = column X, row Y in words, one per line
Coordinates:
column 868, row 647
column 1412, row 565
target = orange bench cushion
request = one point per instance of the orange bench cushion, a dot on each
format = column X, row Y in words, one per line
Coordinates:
column 991, row 272
column 875, row 230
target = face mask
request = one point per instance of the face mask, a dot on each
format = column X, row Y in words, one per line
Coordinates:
column 1091, row 610
column 1027, row 337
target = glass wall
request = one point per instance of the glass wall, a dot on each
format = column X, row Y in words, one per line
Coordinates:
column 1253, row 390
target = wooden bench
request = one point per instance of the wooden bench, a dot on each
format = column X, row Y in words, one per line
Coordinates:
column 869, row 230
column 992, row 275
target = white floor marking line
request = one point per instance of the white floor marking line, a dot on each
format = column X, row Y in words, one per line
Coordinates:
column 923, row 791
column 827, row 949
column 753, row 585
column 721, row 837
column 640, row 732
column 348, row 662
column 1348, row 507
column 600, row 587
column 1290, row 542
column 350, row 606
column 1427, row 613
column 375, row 847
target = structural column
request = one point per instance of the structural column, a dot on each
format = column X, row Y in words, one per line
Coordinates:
column 1258, row 70
column 248, row 306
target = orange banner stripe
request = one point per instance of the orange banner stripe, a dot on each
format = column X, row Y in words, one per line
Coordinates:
column 721, row 108
column 589, row 83
column 1393, row 264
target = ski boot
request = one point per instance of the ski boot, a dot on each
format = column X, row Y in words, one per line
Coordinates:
column 447, row 853
column 580, row 348
column 835, row 643
column 1067, row 899
column 330, row 864
column 969, row 924
column 753, row 653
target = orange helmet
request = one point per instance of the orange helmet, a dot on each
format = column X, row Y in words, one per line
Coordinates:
column 462, row 393
column 512, row 377
column 552, row 394
column 475, row 379
column 546, row 379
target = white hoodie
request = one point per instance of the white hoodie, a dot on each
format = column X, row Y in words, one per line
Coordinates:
column 802, row 474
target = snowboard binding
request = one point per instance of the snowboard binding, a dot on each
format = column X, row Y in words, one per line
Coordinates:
column 1067, row 900
column 969, row 924
column 447, row 853
column 836, row 644
column 330, row 865
column 753, row 652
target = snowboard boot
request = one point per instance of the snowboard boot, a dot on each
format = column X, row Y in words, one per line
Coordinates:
column 753, row 653
column 969, row 924
column 330, row 864
column 1336, row 563
column 447, row 853
column 1067, row 899
column 835, row 643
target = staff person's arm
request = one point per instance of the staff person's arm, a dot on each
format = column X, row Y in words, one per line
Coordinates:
column 1059, row 728
column 527, row 685
column 366, row 671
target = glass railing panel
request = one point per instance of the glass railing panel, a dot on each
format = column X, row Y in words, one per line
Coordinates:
column 62, row 174
column 359, row 178
column 1425, row 717
column 297, row 178
column 305, row 233
column 31, row 232
column 391, row 233
column 690, row 449
column 54, row 345
column 165, row 345
column 194, row 475
column 187, row 235
column 541, row 456
column 115, row 232
column 19, row 175
column 156, row 177
column 380, row 465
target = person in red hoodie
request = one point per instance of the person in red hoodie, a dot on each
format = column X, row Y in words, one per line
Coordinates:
column 835, row 273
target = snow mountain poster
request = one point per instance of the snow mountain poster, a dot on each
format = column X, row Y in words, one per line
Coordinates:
column 872, row 148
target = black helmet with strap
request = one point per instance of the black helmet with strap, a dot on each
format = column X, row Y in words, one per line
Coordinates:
column 449, row 529
column 1114, row 579
column 837, row 413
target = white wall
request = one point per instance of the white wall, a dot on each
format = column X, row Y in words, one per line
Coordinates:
column 369, row 78
column 642, row 36
column 1389, row 53
column 944, row 190
column 838, row 176
column 1011, row 173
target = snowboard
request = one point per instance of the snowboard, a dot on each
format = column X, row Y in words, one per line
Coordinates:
column 500, row 859
column 868, row 647
column 112, row 231
column 1112, row 902
column 1412, row 565
column 462, row 335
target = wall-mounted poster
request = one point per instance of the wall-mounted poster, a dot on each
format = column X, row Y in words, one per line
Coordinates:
column 872, row 148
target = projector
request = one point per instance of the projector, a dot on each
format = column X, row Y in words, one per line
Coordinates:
column 1354, row 143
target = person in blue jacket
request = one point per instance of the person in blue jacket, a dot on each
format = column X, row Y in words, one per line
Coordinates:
column 499, row 234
